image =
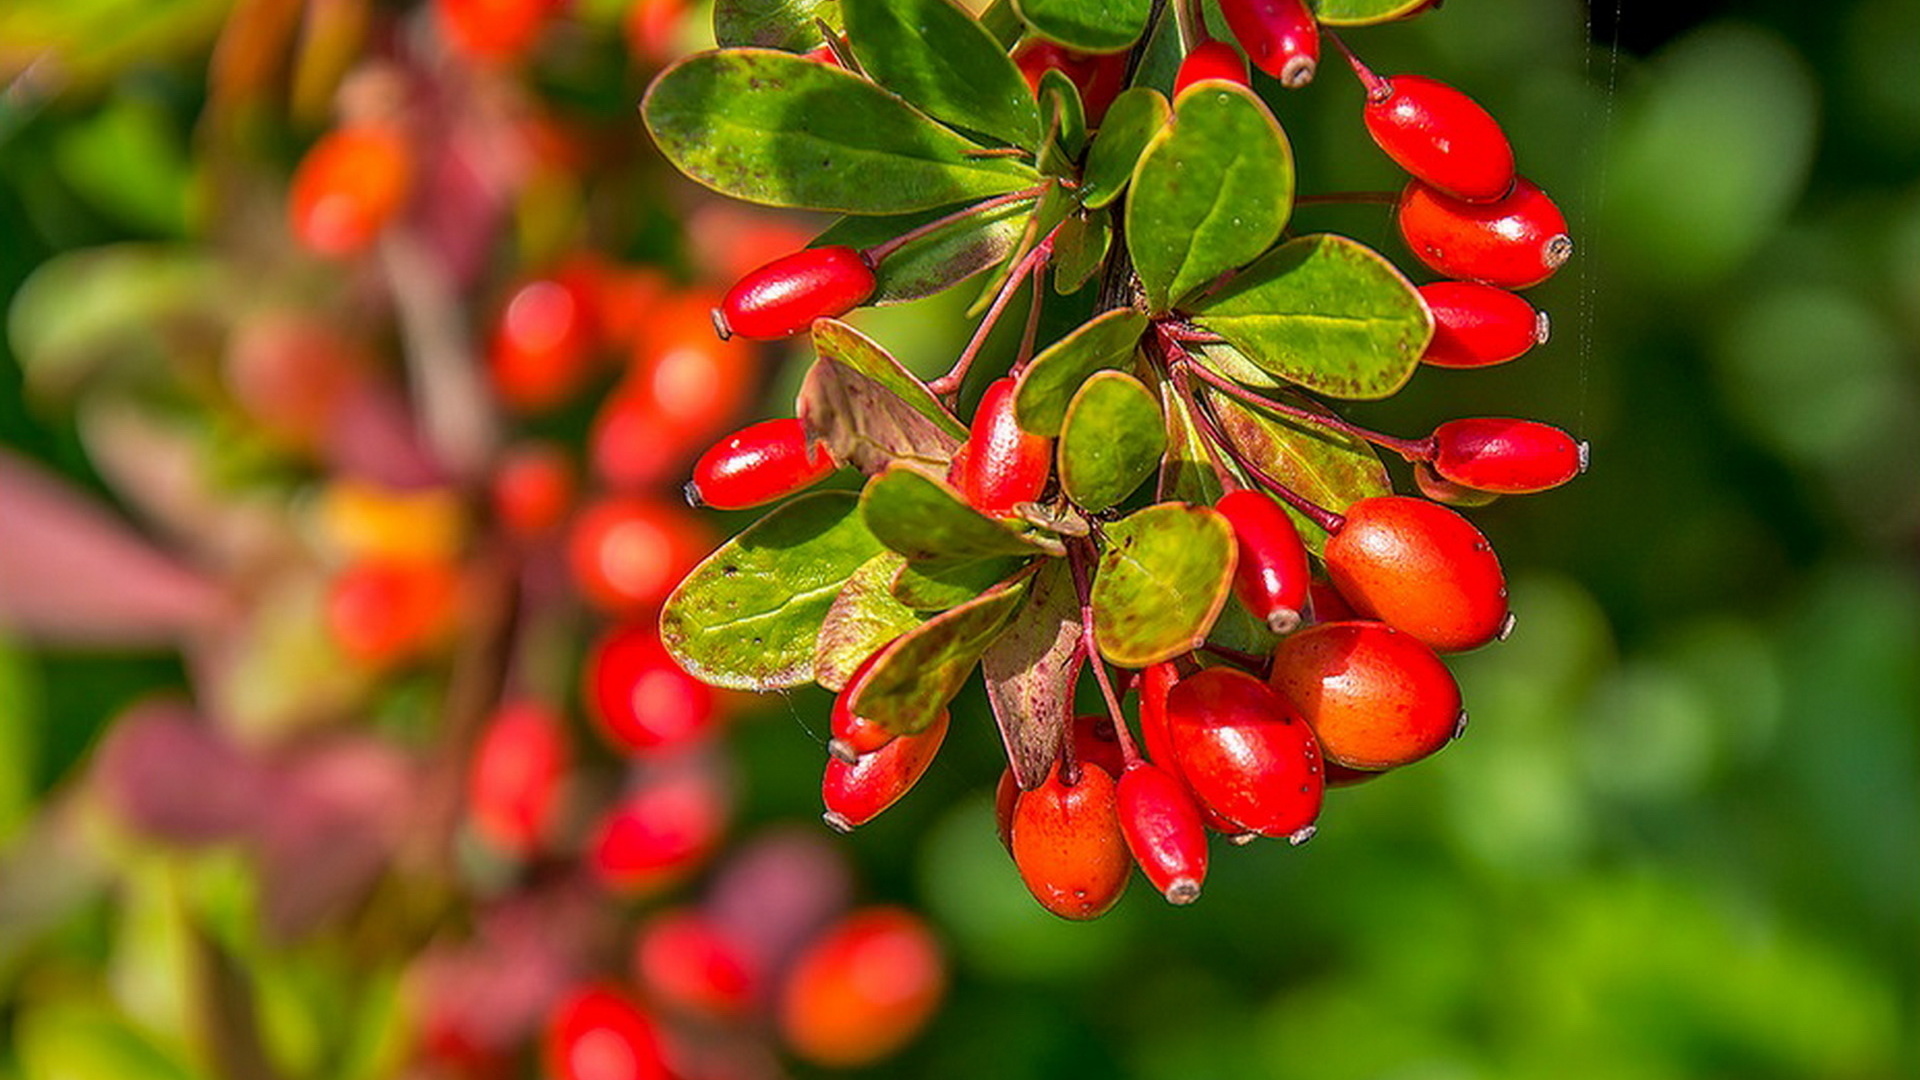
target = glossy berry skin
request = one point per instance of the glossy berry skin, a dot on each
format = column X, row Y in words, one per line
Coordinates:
column 1281, row 37
column 1095, row 743
column 1164, row 831
column 627, row 552
column 1441, row 136
column 1272, row 574
column 639, row 698
column 686, row 963
column 862, row 989
column 856, row 794
column 1156, row 682
column 783, row 297
column 1421, row 568
column 1099, row 76
column 1245, row 753
column 598, row 1033
column 350, row 185
column 757, row 465
column 494, row 31
column 1477, row 325
column 1514, row 242
column 1068, row 846
column 513, row 787
column 850, row 735
column 1376, row 698
column 1506, row 456
column 1211, row 59
column 659, row 832
column 1006, row 465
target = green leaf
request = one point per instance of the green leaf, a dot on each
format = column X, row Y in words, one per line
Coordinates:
column 1111, row 440
column 863, row 617
column 128, row 161
column 775, row 128
column 1065, row 115
column 942, row 60
column 1363, row 12
column 1053, row 377
column 1331, row 469
column 1098, row 26
column 918, row 675
column 1211, row 192
column 1327, row 313
column 1132, row 121
column 836, row 341
column 1029, row 672
column 129, row 308
column 1186, row 471
column 1164, row 575
column 872, row 414
column 937, row 586
column 1080, row 250
column 939, row 259
column 791, row 25
column 1053, row 208
column 747, row 618
column 924, row 519
column 68, row 1040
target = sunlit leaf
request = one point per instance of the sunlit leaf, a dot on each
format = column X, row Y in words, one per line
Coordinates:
column 944, row 62
column 917, row 675
column 1132, row 121
column 1163, row 577
column 1097, row 26
column 791, row 25
column 774, row 128
column 748, row 617
column 1111, row 440
column 925, row 519
column 1029, row 672
column 940, row 258
column 863, row 617
column 1049, row 382
column 1330, row 469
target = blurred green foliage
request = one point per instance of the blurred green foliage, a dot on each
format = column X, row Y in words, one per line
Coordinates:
column 1682, row 837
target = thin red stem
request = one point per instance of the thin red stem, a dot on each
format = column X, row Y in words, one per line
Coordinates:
column 1228, row 482
column 1378, row 89
column 881, row 250
column 1327, row 520
column 1078, row 554
column 1410, row 449
column 948, row 385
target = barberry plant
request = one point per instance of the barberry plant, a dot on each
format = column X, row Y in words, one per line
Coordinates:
column 1163, row 437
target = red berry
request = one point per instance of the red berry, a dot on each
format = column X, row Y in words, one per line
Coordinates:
column 513, row 788
column 862, row 989
column 1006, row 465
column 1096, row 743
column 1068, row 846
column 352, row 182
column 544, row 343
column 1099, row 76
column 783, row 297
column 1513, row 242
column 596, row 1033
column 1281, row 37
column 853, row 736
column 1156, row 681
column 1328, row 604
column 1211, row 59
column 1375, row 697
column 1507, row 457
column 1164, row 831
column 856, row 794
column 386, row 610
column 1478, row 325
column 1245, row 754
column 493, row 30
column 1006, row 794
column 823, row 54
column 687, row 963
column 957, row 468
column 758, row 464
column 1441, row 136
column 1421, row 568
column 659, row 832
column 1441, row 490
column 1272, row 575
column 639, row 698
column 683, row 387
column 627, row 552
column 533, row 488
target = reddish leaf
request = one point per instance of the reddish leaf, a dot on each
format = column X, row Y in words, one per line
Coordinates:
column 72, row 573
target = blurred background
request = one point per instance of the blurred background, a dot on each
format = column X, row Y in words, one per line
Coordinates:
column 1681, row 838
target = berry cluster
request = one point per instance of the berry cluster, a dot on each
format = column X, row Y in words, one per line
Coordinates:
column 1207, row 338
